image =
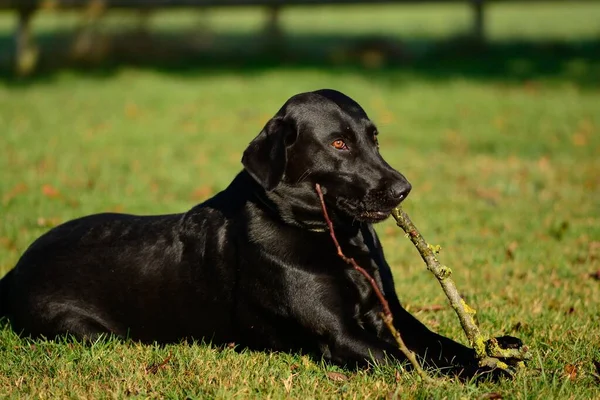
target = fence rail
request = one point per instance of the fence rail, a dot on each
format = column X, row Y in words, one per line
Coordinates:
column 26, row 9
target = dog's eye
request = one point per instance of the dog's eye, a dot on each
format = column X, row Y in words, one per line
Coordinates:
column 376, row 141
column 339, row 144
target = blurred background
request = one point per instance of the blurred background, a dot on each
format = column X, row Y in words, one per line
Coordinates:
column 475, row 38
column 521, row 38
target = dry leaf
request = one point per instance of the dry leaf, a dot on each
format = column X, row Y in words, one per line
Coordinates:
column 579, row 139
column 337, row 376
column 544, row 164
column 202, row 193
column 397, row 376
column 571, row 371
column 8, row 243
column 50, row 191
column 154, row 368
column 490, row 195
column 511, row 249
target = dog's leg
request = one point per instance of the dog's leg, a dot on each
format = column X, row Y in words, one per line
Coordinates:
column 75, row 320
column 353, row 346
column 437, row 351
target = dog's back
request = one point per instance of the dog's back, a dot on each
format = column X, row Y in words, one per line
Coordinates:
column 136, row 276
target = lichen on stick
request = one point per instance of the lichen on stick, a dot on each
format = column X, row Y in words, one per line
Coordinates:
column 489, row 352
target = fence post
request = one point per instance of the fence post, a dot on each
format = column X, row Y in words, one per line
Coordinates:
column 479, row 20
column 272, row 26
column 26, row 53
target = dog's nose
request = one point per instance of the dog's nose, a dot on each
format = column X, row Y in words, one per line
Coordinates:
column 399, row 190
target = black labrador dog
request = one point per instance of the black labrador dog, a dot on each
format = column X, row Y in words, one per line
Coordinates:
column 253, row 265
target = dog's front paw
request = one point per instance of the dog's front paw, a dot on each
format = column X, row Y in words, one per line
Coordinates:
column 504, row 357
column 509, row 349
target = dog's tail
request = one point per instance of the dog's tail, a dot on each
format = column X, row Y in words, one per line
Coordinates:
column 4, row 284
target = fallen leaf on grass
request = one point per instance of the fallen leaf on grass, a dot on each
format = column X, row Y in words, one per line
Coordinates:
column 571, row 371
column 8, row 243
column 544, row 164
column 511, row 249
column 491, row 196
column 595, row 275
column 154, row 368
column 50, row 191
column 337, row 376
column 202, row 193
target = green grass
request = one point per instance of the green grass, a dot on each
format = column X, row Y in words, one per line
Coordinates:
column 505, row 169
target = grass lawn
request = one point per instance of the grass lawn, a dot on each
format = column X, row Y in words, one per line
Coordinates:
column 503, row 152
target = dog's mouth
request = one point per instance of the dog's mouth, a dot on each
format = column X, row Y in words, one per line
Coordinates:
column 373, row 216
column 367, row 210
column 368, row 215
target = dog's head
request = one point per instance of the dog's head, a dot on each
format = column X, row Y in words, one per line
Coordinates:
column 325, row 137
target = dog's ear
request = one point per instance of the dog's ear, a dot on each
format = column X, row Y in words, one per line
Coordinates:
column 265, row 158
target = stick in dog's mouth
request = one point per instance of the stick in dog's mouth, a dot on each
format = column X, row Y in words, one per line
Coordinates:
column 386, row 315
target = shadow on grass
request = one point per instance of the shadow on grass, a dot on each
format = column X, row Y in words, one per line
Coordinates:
column 394, row 60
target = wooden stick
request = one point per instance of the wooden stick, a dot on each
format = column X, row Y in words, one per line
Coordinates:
column 386, row 315
column 488, row 352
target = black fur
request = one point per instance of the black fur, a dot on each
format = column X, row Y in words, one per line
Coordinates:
column 253, row 265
